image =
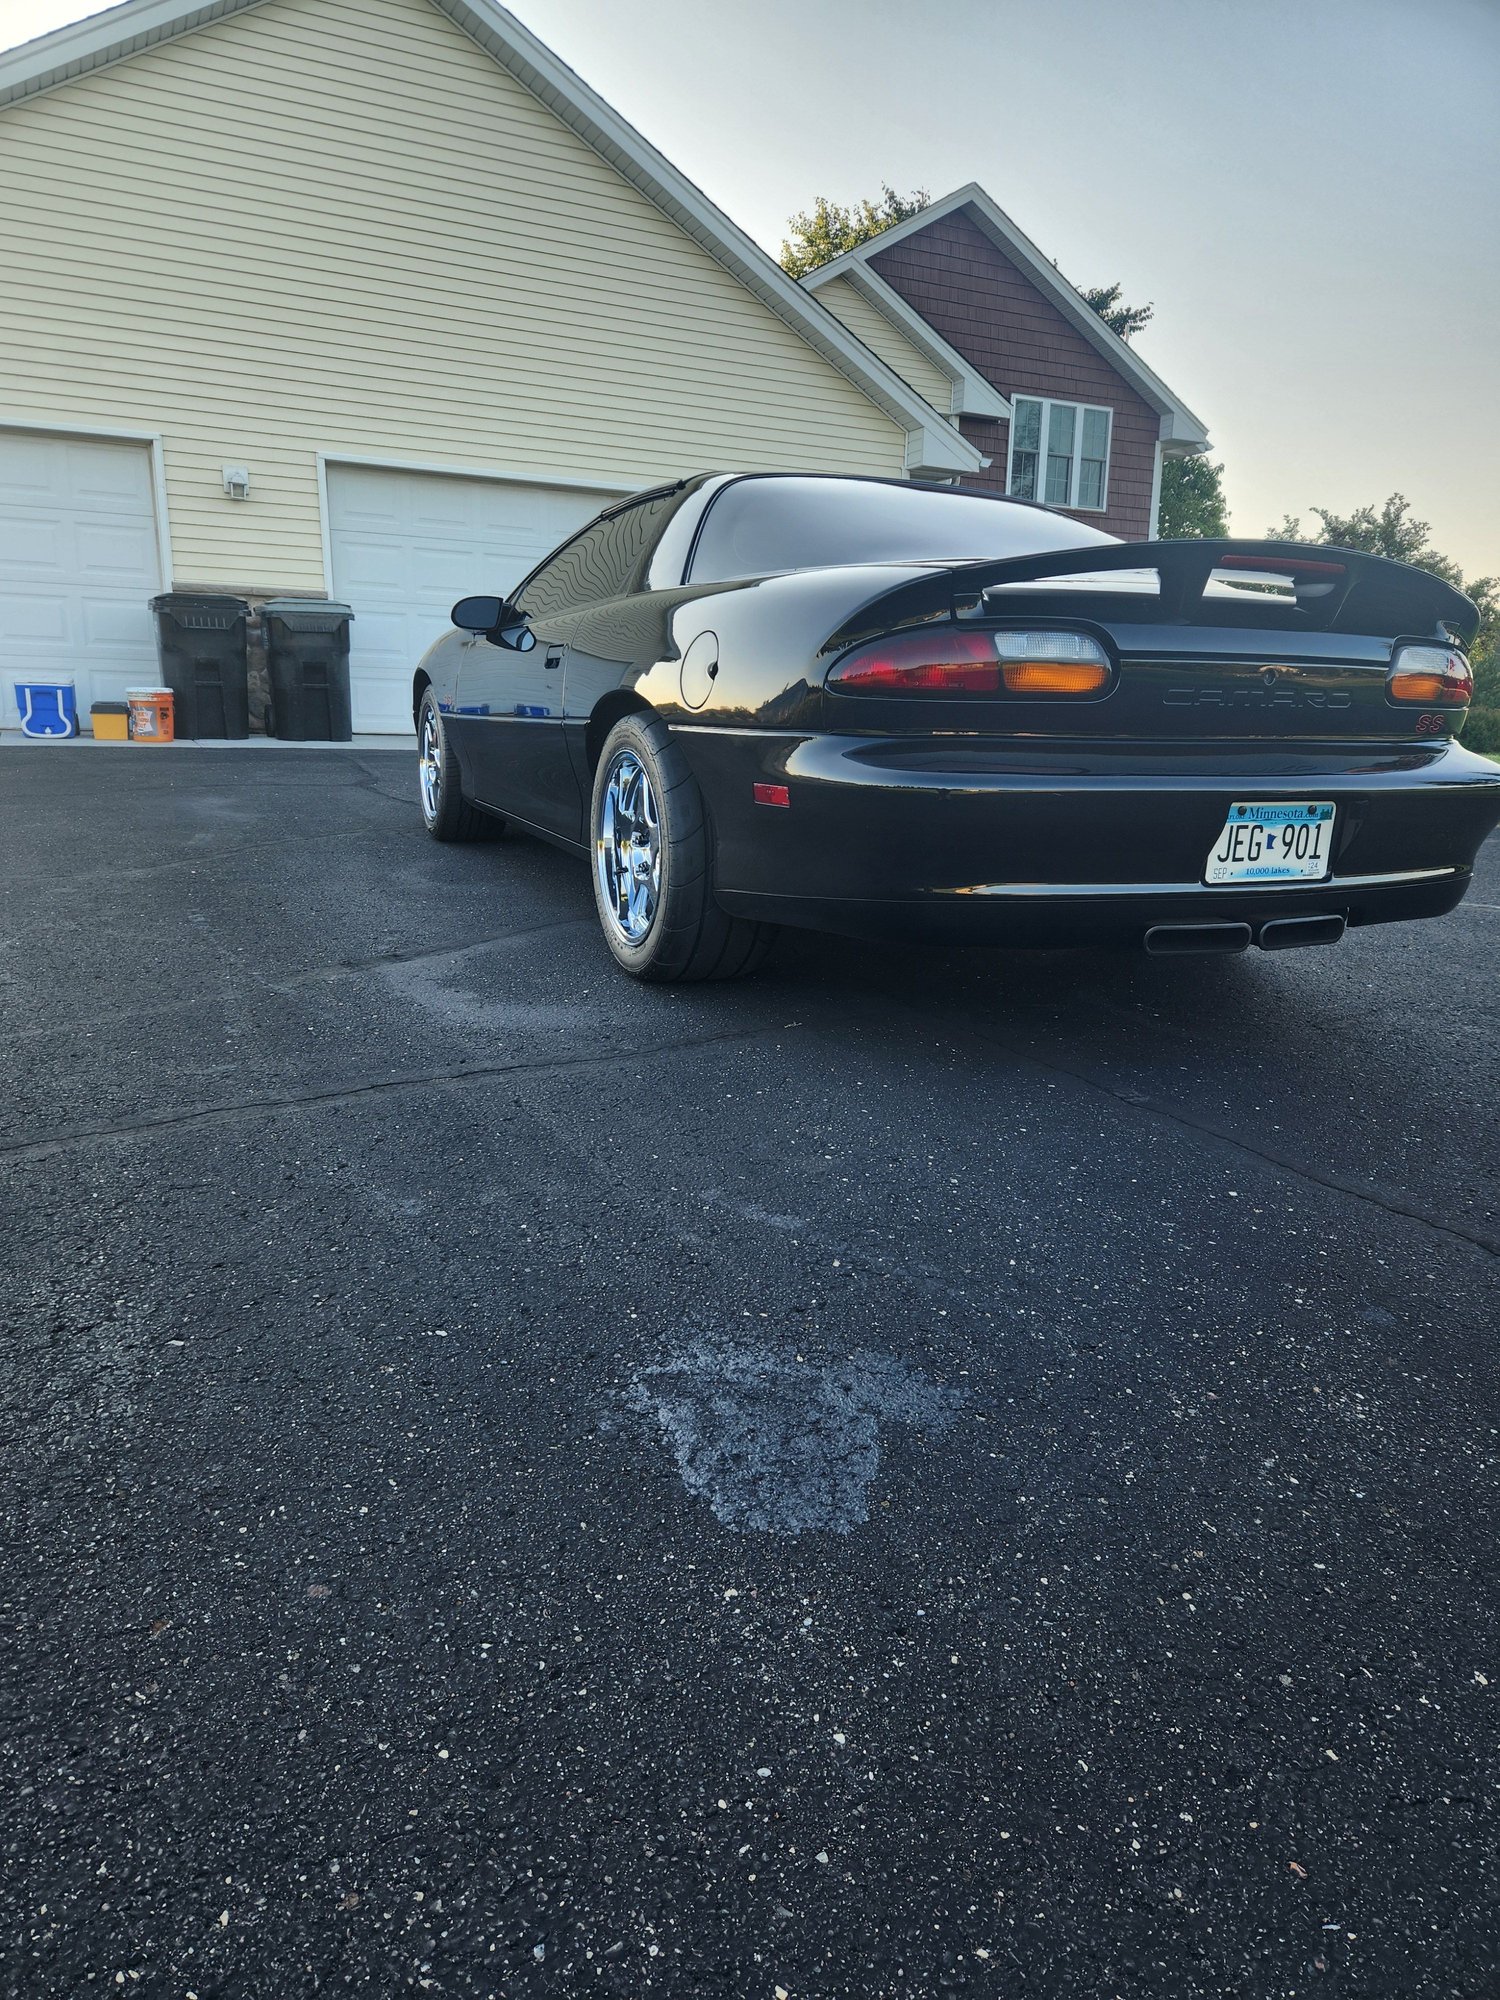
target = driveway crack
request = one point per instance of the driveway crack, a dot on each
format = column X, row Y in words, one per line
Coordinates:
column 1390, row 1203
column 196, row 1117
column 428, row 954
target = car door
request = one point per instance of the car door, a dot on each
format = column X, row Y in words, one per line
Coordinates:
column 509, row 711
column 514, row 704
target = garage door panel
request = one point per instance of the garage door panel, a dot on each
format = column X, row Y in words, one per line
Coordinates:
column 383, row 636
column 383, row 518
column 363, row 563
column 452, row 573
column 33, row 547
column 106, row 473
column 406, row 546
column 109, row 683
column 117, row 621
column 35, row 617
column 78, row 566
column 33, row 469
column 104, row 549
column 452, row 509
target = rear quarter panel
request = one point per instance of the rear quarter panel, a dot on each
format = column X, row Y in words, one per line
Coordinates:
column 770, row 632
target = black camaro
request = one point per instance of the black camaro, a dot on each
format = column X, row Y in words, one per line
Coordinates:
column 892, row 710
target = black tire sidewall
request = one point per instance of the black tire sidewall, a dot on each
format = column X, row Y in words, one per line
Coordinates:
column 452, row 818
column 684, row 873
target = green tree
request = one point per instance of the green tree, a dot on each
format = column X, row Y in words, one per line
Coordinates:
column 828, row 229
column 1390, row 530
column 1192, row 500
column 1116, row 315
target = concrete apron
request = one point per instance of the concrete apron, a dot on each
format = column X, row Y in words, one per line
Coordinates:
column 12, row 739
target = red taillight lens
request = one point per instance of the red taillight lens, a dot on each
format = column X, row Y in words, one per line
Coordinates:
column 947, row 660
column 1432, row 676
column 939, row 662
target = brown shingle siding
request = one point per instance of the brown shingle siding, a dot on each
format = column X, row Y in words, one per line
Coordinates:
column 971, row 293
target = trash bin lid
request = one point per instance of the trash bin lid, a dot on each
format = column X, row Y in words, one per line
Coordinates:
column 197, row 600
column 291, row 609
column 109, row 708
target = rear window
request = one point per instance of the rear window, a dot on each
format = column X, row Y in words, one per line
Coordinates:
column 760, row 527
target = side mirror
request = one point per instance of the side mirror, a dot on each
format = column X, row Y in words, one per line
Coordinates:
column 498, row 620
column 478, row 614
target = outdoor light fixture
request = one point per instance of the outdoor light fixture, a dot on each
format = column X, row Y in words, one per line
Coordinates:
column 237, row 481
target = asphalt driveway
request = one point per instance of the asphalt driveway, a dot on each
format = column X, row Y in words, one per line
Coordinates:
column 924, row 1473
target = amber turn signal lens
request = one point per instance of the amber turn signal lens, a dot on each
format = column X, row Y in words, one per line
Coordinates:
column 1425, row 688
column 1054, row 676
column 1432, row 676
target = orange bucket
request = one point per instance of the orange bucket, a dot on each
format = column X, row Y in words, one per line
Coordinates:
column 150, row 714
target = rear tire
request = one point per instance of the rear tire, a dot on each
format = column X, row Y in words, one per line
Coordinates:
column 653, row 865
column 446, row 813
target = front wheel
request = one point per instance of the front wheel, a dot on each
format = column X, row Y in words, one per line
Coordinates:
column 653, row 873
column 446, row 813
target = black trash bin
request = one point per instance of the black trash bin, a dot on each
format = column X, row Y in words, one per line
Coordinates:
column 307, row 651
column 201, row 640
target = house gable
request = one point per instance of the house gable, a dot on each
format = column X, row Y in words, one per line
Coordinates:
column 885, row 339
column 961, row 268
column 979, row 300
column 343, row 226
column 912, row 345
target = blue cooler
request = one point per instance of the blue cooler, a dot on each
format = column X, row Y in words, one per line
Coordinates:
column 48, row 708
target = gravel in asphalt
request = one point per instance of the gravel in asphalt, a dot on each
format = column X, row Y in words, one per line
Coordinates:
column 922, row 1473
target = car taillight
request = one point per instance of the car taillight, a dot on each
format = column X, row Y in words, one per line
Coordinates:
column 948, row 661
column 1434, row 676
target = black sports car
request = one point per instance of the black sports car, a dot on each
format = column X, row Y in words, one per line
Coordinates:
column 892, row 710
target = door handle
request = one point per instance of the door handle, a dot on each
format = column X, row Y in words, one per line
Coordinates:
column 555, row 659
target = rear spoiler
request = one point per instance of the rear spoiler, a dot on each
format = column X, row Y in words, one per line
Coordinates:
column 1335, row 589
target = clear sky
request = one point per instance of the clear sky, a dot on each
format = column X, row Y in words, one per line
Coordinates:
column 1307, row 190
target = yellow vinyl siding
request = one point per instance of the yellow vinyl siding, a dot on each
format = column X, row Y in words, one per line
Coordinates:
column 340, row 225
column 883, row 337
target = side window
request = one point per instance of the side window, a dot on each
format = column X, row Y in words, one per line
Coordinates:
column 598, row 563
column 1059, row 453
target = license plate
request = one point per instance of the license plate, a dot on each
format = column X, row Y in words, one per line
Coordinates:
column 1289, row 842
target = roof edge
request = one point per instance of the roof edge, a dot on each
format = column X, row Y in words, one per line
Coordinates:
column 101, row 39
column 973, row 394
column 1187, row 429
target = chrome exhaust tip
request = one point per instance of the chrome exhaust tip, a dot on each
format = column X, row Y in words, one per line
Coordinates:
column 1286, row 932
column 1167, row 940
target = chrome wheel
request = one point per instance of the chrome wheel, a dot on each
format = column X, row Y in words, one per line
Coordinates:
column 627, row 848
column 430, row 763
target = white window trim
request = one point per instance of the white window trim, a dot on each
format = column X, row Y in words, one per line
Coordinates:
column 1047, row 402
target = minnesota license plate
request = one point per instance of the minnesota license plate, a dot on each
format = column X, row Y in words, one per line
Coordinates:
column 1291, row 842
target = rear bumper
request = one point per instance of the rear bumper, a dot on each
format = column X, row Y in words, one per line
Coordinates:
column 997, row 843
column 1118, row 917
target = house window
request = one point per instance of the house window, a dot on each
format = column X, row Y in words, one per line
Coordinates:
column 1059, row 453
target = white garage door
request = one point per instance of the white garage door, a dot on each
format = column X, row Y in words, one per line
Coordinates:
column 407, row 545
column 78, row 567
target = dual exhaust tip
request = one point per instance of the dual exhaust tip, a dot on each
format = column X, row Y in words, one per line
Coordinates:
column 1281, row 934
